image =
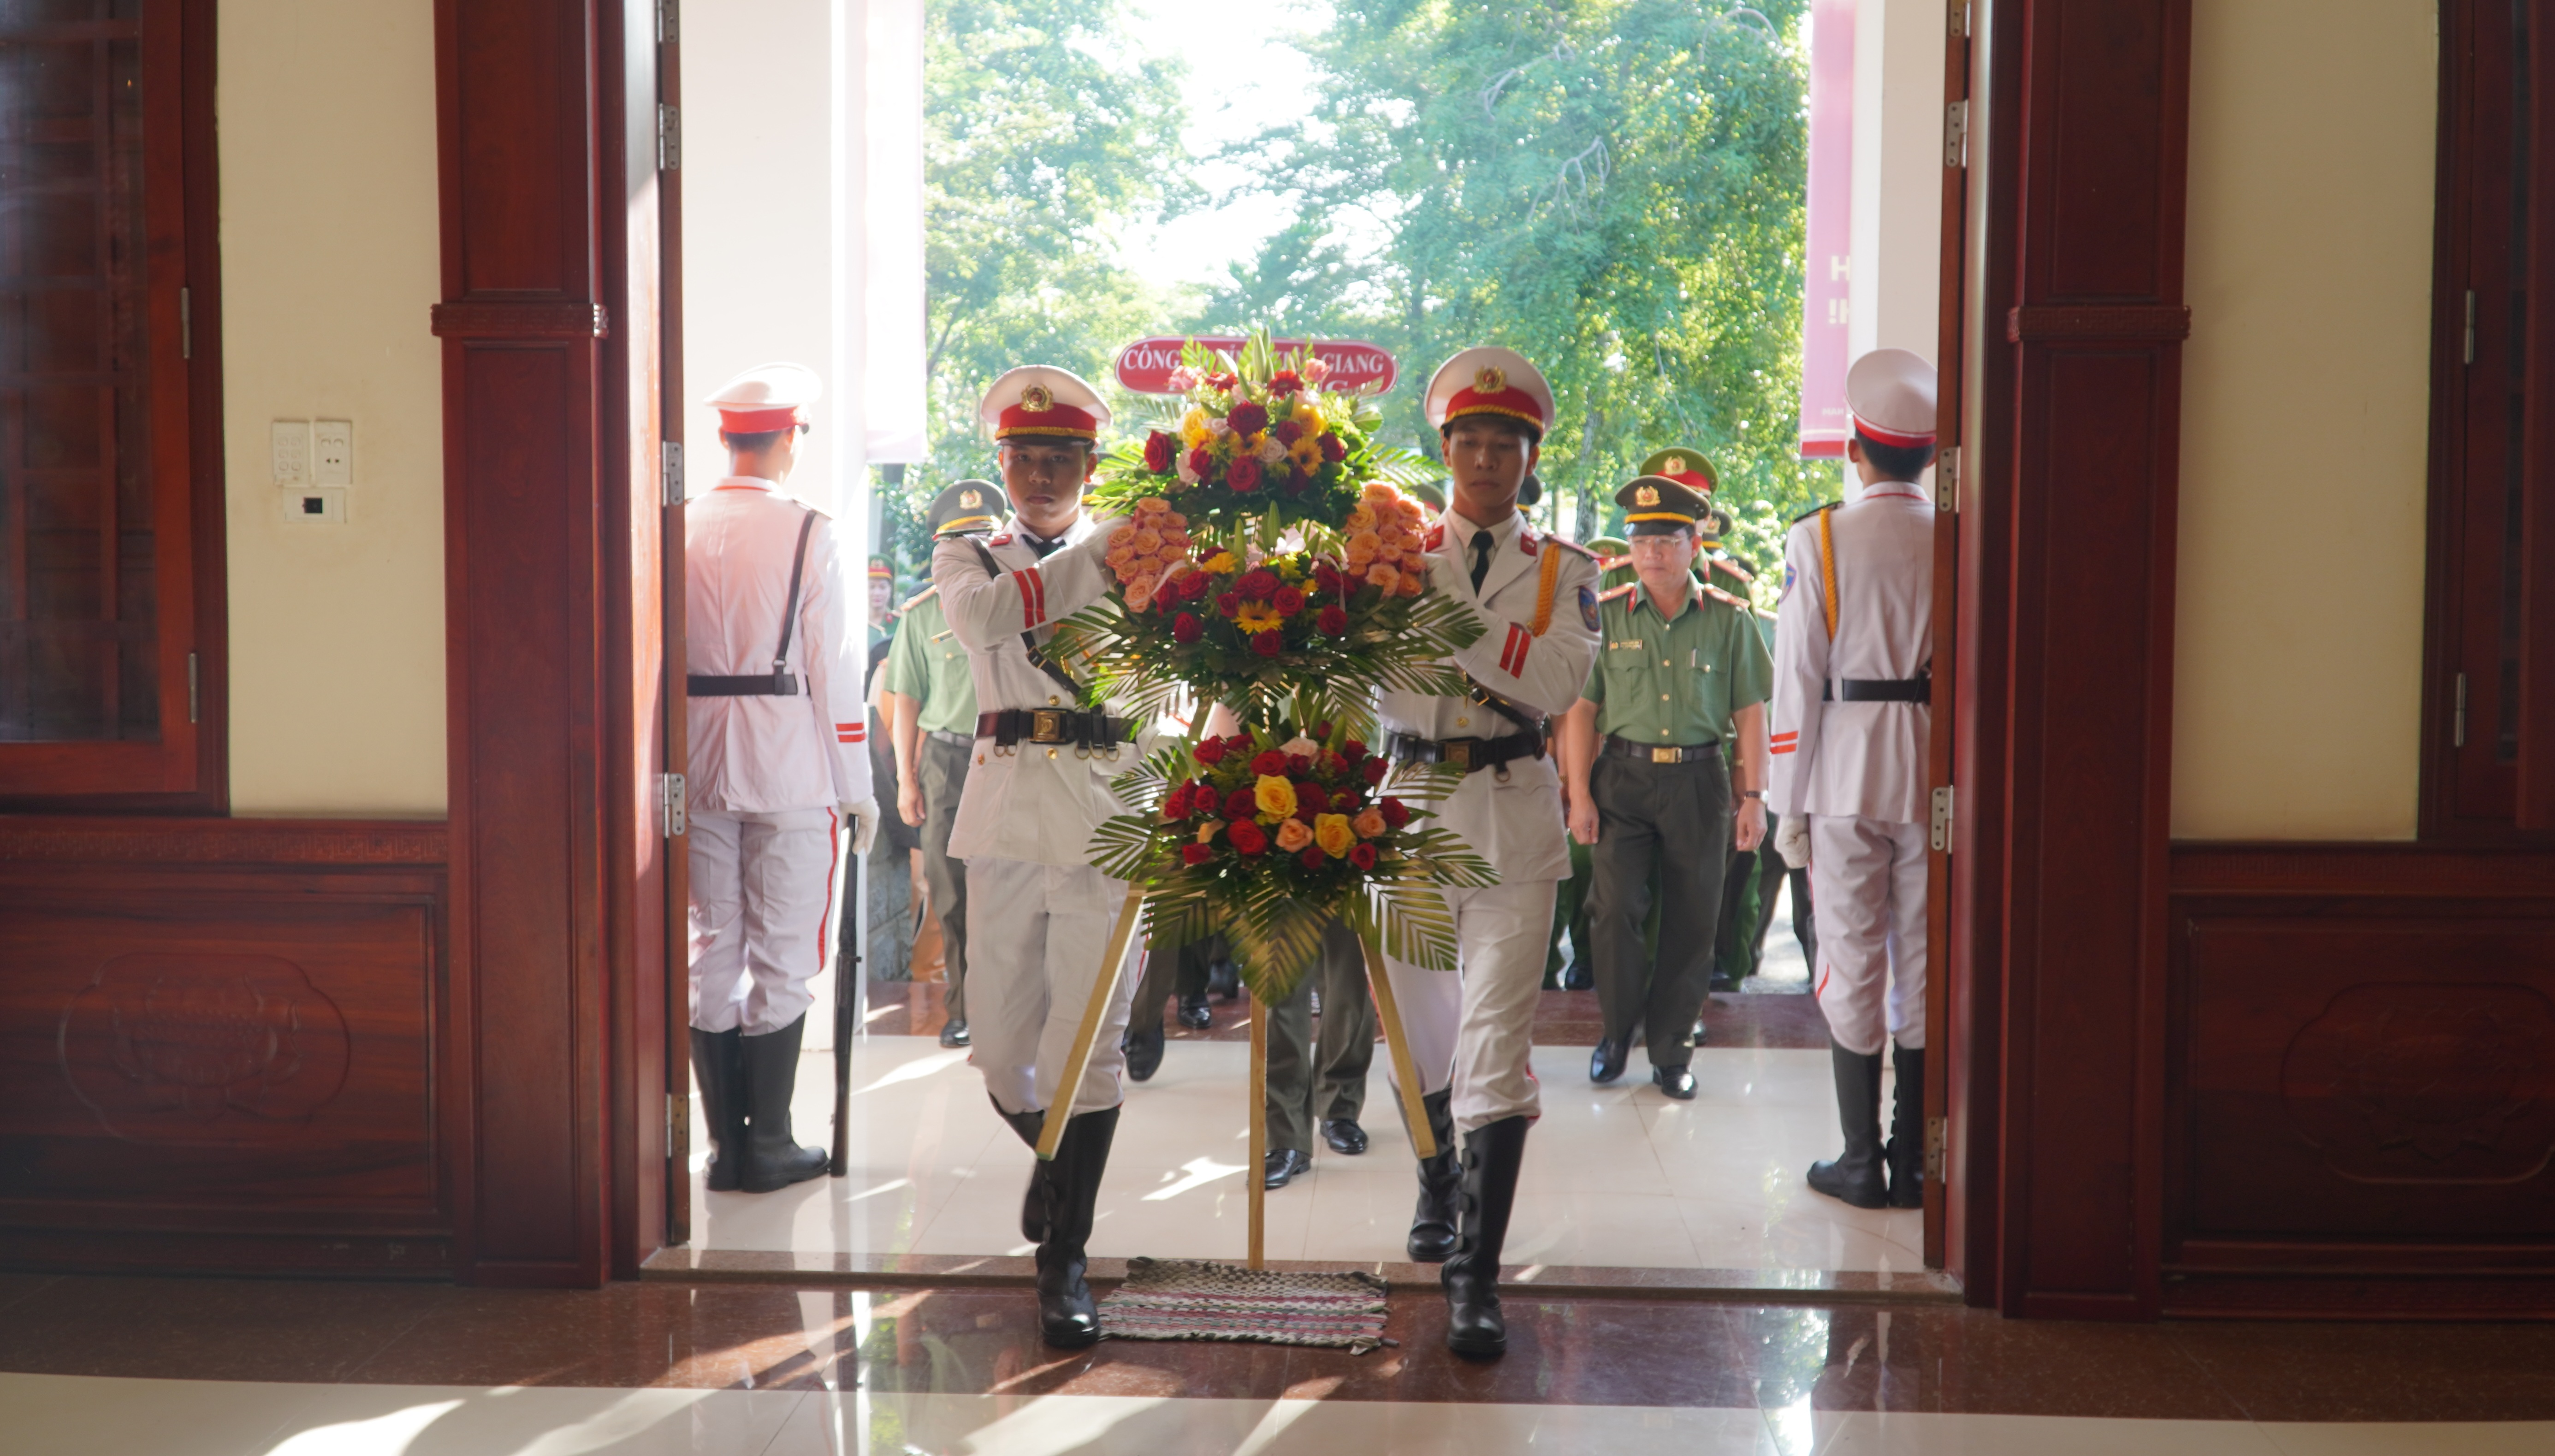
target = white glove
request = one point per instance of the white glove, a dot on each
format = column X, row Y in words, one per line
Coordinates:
column 864, row 816
column 1792, row 840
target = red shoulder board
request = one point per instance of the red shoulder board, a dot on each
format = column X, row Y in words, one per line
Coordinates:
column 1003, row 540
column 1581, row 550
column 1623, row 590
column 1437, row 536
column 1716, row 592
column 1731, row 568
column 1525, row 540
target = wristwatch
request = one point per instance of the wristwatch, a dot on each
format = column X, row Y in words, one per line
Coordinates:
column 1751, row 794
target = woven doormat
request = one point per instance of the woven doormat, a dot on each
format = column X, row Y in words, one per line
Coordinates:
column 1192, row 1299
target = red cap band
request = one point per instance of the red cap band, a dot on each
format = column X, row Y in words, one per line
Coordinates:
column 1515, row 404
column 758, row 421
column 1891, row 437
column 1053, row 419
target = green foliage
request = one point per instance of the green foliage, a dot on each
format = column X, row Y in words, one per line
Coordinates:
column 1612, row 188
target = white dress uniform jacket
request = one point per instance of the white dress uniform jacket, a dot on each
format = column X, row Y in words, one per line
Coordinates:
column 1516, row 825
column 1859, row 758
column 1024, row 803
column 762, row 755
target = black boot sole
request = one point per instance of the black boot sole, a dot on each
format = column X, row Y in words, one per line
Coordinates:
column 1823, row 1179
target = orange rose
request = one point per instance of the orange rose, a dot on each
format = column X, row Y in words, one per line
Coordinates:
column 1369, row 823
column 1384, row 576
column 1293, row 835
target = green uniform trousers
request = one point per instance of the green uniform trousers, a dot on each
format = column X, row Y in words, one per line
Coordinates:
column 1312, row 1081
column 943, row 770
column 1672, row 820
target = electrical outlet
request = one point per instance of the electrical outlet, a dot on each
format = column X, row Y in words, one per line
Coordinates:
column 333, row 453
column 289, row 446
column 315, row 505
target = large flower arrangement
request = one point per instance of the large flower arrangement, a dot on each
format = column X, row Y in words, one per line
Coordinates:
column 1266, row 561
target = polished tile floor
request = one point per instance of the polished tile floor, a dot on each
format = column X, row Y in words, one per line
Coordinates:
column 157, row 1366
column 1614, row 1176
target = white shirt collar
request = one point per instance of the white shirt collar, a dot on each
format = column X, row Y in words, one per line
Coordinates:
column 749, row 483
column 1460, row 531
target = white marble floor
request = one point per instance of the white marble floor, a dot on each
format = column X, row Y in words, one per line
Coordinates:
column 1614, row 1176
column 166, row 1417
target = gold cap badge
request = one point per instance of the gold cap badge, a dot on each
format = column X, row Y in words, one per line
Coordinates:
column 1487, row 379
column 1676, row 466
column 1037, row 399
column 969, row 500
column 1647, row 495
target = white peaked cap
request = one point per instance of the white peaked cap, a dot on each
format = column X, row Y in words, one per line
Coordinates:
column 1487, row 379
column 766, row 396
column 1041, row 399
column 1891, row 395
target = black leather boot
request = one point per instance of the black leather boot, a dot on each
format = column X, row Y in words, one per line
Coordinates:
column 1144, row 1050
column 772, row 1158
column 1033, row 1203
column 718, row 1065
column 1441, row 1184
column 1906, row 1151
column 1471, row 1275
column 1856, row 1175
column 1068, row 1316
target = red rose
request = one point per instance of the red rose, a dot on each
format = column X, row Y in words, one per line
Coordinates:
column 1322, row 729
column 1288, row 601
column 1258, row 584
column 1325, row 578
column 1200, row 462
column 1175, row 804
column 1333, row 765
column 1269, row 644
column 1186, row 628
column 1363, row 856
column 1209, row 751
column 1333, row 622
column 1195, row 585
column 1248, row 417
column 1221, row 382
column 1395, row 812
column 1311, row 858
column 1289, row 432
column 1229, row 603
column 1161, row 452
column 1332, row 449
column 1353, row 750
column 1244, row 474
column 1247, row 836
column 1198, row 854
column 1310, row 800
column 1299, row 764
column 1240, row 805
column 1373, row 770
column 1285, row 382
column 1268, row 765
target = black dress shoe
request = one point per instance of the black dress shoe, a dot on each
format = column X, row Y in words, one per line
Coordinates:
column 1195, row 1014
column 1344, row 1136
column 1224, row 978
column 1577, row 976
column 1143, row 1052
column 954, row 1034
column 1607, row 1063
column 1677, row 1082
column 1284, row 1165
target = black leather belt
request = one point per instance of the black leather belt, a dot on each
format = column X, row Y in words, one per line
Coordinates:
column 758, row 684
column 1054, row 725
column 1469, row 753
column 1916, row 689
column 1662, row 753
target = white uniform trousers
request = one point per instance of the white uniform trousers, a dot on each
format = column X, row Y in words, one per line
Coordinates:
column 1472, row 1028
column 1035, row 933
column 1868, row 895
column 762, row 896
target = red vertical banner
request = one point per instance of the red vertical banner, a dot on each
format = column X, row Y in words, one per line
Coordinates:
column 1824, row 285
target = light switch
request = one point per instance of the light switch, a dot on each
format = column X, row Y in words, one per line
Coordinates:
column 333, row 453
column 290, row 449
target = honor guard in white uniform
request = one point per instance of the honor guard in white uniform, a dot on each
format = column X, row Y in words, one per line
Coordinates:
column 779, row 760
column 1470, row 1030
column 1038, row 786
column 1853, row 685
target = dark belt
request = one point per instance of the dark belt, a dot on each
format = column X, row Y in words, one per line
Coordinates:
column 1916, row 689
column 1625, row 748
column 1054, row 725
column 758, row 684
column 1469, row 753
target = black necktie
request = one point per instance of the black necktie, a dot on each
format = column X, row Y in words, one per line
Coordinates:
column 1042, row 546
column 1480, row 557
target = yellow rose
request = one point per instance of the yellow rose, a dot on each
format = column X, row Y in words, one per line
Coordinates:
column 1333, row 835
column 1207, row 831
column 1275, row 795
column 1292, row 837
column 1308, row 415
column 1193, row 428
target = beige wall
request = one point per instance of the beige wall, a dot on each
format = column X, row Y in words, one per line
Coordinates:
column 330, row 248
column 2298, row 641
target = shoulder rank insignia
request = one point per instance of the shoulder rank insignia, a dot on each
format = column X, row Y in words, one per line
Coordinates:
column 1003, row 540
column 1815, row 509
column 1618, row 593
column 1570, row 544
column 1731, row 569
column 921, row 597
column 1718, row 595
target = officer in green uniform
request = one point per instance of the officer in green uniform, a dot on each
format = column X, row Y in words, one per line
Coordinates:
column 1570, row 897
column 1681, row 673
column 932, row 699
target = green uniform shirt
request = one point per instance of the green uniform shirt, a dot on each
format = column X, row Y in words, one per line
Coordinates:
column 928, row 664
column 1677, row 684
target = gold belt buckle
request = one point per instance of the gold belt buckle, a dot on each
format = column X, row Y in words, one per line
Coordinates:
column 1666, row 756
column 1046, row 725
column 1459, row 752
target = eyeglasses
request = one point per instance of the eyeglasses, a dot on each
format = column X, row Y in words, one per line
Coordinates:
column 1679, row 541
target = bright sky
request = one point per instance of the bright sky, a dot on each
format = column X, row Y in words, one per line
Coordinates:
column 1242, row 74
